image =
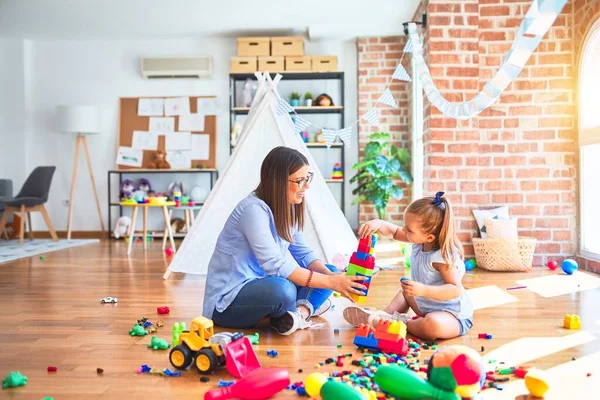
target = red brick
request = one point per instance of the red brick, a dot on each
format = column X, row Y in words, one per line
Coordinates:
column 468, row 186
column 490, row 123
column 467, row 173
column 437, row 134
column 493, row 173
column 562, row 236
column 525, row 210
column 492, row 36
column 435, row 160
column 446, row 174
column 556, row 185
column 543, row 198
column 462, row 71
column 463, row 148
column 528, row 185
column 547, row 248
column 442, row 123
column 493, row 11
column 438, row 20
column 511, row 160
column 539, row 135
column 566, row 147
column 533, row 173
column 522, row 147
column 492, row 148
column 538, row 234
column 477, row 198
column 507, row 198
column 462, row 33
column 525, row 222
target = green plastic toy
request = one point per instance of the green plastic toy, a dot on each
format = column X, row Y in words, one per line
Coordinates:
column 406, row 384
column 14, row 379
column 178, row 327
column 253, row 338
column 138, row 330
column 158, row 344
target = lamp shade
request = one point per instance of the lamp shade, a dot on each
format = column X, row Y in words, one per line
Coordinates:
column 78, row 119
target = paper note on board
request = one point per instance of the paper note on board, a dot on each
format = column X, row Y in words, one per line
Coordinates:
column 178, row 141
column 179, row 159
column 207, row 106
column 200, row 147
column 177, row 106
column 151, row 107
column 191, row 122
column 129, row 157
column 162, row 125
column 143, row 140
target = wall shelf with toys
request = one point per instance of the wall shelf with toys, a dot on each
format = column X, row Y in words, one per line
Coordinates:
column 195, row 182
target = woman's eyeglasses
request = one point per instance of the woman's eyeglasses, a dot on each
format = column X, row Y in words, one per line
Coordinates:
column 302, row 182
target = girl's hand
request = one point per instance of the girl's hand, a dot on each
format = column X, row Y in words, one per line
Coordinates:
column 369, row 228
column 413, row 289
column 347, row 285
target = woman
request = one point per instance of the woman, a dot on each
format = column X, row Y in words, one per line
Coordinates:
column 251, row 274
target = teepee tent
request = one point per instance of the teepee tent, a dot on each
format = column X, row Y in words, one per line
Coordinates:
column 326, row 229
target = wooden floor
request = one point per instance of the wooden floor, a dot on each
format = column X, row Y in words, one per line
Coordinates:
column 51, row 315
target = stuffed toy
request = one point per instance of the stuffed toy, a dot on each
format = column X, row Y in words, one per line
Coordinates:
column 323, row 100
column 159, row 161
column 127, row 188
column 122, row 227
column 144, row 186
column 175, row 187
column 178, row 225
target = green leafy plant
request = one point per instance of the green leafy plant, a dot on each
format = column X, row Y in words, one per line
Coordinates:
column 308, row 96
column 382, row 163
column 295, row 96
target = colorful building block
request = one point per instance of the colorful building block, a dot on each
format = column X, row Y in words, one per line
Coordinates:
column 354, row 270
column 572, row 321
column 381, row 339
column 362, row 263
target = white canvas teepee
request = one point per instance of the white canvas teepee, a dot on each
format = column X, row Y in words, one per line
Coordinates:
column 326, row 228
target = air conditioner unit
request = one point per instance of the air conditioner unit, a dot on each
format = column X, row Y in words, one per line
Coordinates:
column 177, row 67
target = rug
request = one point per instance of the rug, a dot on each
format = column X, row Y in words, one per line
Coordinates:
column 489, row 296
column 559, row 283
column 10, row 250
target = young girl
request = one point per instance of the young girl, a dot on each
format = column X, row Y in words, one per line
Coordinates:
column 434, row 292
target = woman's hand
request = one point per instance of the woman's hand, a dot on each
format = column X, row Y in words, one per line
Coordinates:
column 413, row 289
column 347, row 285
column 369, row 228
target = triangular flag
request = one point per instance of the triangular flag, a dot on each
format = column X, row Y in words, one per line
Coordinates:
column 329, row 136
column 346, row 136
column 401, row 74
column 388, row 99
column 373, row 117
column 408, row 46
column 283, row 107
column 300, row 124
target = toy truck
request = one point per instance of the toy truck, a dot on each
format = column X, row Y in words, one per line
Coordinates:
column 208, row 351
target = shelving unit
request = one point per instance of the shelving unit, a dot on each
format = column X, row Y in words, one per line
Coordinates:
column 213, row 173
column 338, row 109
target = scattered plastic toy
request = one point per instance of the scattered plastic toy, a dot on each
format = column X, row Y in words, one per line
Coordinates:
column 168, row 372
column 138, row 330
column 14, row 379
column 151, row 329
column 552, row 265
column 158, row 344
column 52, row 369
column 223, row 383
column 253, row 338
column 169, row 251
column 272, row 353
column 42, row 258
column 142, row 321
column 484, row 336
column 204, row 379
column 112, row 300
column 163, row 310
column 160, row 323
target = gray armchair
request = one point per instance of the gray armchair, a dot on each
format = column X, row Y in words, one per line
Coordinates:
column 6, row 190
column 32, row 197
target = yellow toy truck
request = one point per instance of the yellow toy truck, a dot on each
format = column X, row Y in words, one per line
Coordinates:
column 209, row 351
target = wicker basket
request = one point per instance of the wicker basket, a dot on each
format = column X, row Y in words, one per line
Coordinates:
column 505, row 255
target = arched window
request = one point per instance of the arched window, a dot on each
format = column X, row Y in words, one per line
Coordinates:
column 589, row 142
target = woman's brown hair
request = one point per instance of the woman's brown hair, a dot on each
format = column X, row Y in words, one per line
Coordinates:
column 278, row 165
column 437, row 219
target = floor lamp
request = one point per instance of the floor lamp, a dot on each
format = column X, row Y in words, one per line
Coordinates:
column 81, row 121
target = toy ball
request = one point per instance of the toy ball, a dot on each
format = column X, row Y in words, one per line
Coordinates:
column 569, row 266
column 198, row 194
column 552, row 265
column 169, row 251
column 470, row 264
column 457, row 369
column 313, row 384
column 536, row 382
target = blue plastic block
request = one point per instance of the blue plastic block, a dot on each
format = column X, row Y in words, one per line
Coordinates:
column 360, row 255
column 373, row 240
column 367, row 281
column 369, row 343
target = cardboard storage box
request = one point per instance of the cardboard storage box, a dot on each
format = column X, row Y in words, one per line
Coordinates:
column 324, row 63
column 243, row 64
column 271, row 64
column 287, row 46
column 298, row 63
column 254, row 46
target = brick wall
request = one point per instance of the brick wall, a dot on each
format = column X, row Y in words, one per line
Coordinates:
column 377, row 59
column 521, row 152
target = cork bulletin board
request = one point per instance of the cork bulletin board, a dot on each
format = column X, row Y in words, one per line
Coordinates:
column 130, row 121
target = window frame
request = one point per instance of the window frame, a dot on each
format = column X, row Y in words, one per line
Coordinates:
column 417, row 158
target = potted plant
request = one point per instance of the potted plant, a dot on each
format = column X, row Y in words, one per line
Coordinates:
column 382, row 163
column 308, row 97
column 295, row 99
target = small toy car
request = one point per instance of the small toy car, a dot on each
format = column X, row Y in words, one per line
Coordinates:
column 109, row 300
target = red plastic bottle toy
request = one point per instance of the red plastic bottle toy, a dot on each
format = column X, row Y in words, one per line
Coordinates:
column 260, row 384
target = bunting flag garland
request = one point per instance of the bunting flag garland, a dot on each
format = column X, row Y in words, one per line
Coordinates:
column 401, row 74
column 300, row 124
column 372, row 117
column 346, row 135
column 408, row 46
column 388, row 99
column 283, row 107
column 329, row 136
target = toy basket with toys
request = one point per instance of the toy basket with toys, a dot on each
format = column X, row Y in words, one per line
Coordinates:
column 503, row 249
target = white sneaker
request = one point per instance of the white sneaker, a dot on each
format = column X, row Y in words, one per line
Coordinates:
column 323, row 308
column 358, row 315
column 289, row 323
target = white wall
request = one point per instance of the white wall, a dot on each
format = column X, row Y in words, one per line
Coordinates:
column 12, row 111
column 60, row 72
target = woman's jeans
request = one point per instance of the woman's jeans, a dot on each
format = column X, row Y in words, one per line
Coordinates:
column 272, row 296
